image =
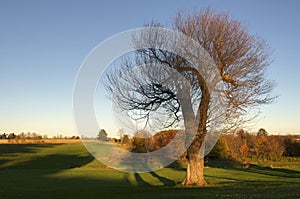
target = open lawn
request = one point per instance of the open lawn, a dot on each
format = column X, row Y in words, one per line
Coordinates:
column 68, row 171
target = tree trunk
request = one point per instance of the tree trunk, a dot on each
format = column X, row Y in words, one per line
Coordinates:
column 195, row 171
column 195, row 122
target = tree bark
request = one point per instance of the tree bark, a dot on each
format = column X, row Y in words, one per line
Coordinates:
column 195, row 167
column 195, row 171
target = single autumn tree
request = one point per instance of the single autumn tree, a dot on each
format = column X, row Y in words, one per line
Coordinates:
column 240, row 58
column 102, row 135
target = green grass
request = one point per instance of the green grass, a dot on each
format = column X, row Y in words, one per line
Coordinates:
column 68, row 171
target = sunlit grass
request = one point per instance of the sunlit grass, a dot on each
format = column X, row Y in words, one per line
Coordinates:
column 69, row 171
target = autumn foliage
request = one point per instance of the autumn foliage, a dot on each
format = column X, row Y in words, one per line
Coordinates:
column 143, row 142
column 240, row 146
column 243, row 146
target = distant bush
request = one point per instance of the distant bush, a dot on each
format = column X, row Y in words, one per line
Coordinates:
column 142, row 142
column 241, row 145
column 220, row 150
column 269, row 148
column 292, row 146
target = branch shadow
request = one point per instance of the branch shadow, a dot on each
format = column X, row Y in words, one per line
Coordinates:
column 140, row 181
column 255, row 169
column 164, row 180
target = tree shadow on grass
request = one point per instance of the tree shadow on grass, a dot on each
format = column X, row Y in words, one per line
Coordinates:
column 276, row 172
column 14, row 155
column 50, row 164
column 140, row 181
column 164, row 180
column 64, row 175
column 55, row 161
column 255, row 169
column 6, row 149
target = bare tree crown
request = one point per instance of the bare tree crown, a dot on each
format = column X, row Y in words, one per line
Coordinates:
column 241, row 59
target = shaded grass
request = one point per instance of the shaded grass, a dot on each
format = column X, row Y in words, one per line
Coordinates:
column 68, row 171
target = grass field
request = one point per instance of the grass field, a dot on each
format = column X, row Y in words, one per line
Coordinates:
column 68, row 171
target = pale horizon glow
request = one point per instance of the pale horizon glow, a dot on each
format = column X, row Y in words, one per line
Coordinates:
column 44, row 43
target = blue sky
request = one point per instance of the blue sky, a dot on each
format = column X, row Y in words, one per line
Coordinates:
column 43, row 43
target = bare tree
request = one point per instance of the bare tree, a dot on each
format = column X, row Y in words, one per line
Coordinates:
column 240, row 59
column 121, row 133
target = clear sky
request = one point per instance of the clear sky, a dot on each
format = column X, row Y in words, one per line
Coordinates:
column 43, row 43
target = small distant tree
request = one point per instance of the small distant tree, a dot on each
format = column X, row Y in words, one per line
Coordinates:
column 262, row 132
column 3, row 136
column 276, row 146
column 269, row 147
column 102, row 135
column 33, row 135
column 220, row 150
column 125, row 139
column 241, row 145
column 142, row 142
column 39, row 137
column 121, row 133
column 292, row 147
column 22, row 136
column 11, row 136
column 28, row 135
column 244, row 150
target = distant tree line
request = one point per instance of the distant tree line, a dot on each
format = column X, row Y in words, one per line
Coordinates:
column 21, row 136
column 244, row 146
column 240, row 146
column 32, row 136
